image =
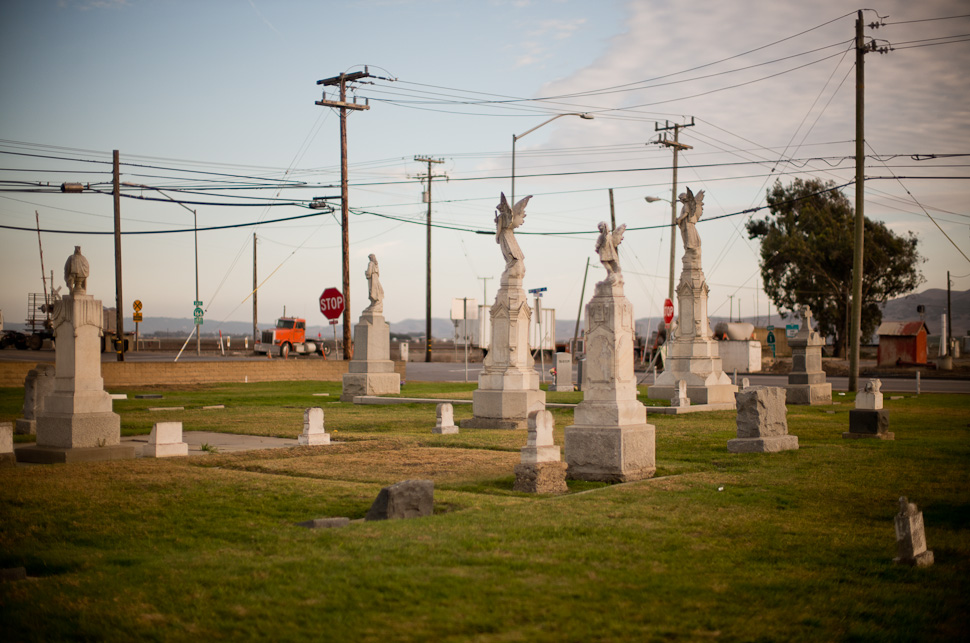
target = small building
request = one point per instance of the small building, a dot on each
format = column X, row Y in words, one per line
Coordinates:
column 902, row 343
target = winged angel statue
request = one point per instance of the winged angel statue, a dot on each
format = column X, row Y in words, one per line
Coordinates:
column 606, row 247
column 690, row 214
column 506, row 221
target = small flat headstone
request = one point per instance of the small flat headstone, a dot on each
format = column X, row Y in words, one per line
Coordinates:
column 118, row 396
column 910, row 536
column 314, row 434
column 166, row 408
column 445, row 424
column 897, row 397
column 324, row 523
column 321, row 395
column 165, row 441
column 407, row 499
column 149, row 396
column 213, row 407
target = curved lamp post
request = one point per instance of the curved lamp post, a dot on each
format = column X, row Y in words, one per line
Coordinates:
column 515, row 138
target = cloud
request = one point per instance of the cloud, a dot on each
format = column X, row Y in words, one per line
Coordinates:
column 542, row 40
column 88, row 5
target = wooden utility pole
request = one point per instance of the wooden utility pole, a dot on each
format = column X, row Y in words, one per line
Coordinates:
column 255, row 287
column 612, row 212
column 119, row 311
column 855, row 325
column 342, row 104
column 677, row 146
column 429, row 176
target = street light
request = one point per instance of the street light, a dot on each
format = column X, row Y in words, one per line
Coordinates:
column 195, row 230
column 583, row 115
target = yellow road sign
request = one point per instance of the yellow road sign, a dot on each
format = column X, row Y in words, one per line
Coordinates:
column 137, row 304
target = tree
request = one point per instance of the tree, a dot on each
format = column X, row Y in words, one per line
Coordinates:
column 806, row 258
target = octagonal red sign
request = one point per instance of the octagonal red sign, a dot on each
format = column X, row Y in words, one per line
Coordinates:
column 331, row 303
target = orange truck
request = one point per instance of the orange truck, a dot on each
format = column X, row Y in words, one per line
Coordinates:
column 288, row 336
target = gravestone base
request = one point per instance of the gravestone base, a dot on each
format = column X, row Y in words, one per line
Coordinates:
column 919, row 560
column 869, row 423
column 540, row 477
column 445, row 430
column 8, row 460
column 370, row 383
column 611, row 454
column 772, row 444
column 56, row 455
column 79, row 430
column 25, row 427
column 809, row 394
column 165, row 450
column 504, row 409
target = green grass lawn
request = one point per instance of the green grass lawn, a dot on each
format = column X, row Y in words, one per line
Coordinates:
column 789, row 546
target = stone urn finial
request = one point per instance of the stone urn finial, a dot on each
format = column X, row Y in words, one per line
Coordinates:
column 76, row 272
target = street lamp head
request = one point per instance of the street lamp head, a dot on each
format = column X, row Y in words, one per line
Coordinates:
column 587, row 116
column 653, row 199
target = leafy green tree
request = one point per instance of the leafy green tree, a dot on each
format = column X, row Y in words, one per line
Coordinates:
column 806, row 258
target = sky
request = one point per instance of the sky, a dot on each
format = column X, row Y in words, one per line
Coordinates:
column 205, row 98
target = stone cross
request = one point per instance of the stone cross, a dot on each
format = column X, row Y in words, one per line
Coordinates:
column 540, row 446
column 910, row 536
column 446, row 419
column 313, row 432
column 871, row 397
column 680, row 397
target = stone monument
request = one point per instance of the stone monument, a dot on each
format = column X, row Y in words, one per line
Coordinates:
column 445, row 424
column 77, row 424
column 564, row 373
column 806, row 382
column 508, row 386
column 868, row 419
column 693, row 352
column 7, row 458
column 313, row 432
column 762, row 422
column 38, row 384
column 910, row 536
column 408, row 499
column 541, row 470
column 371, row 371
column 610, row 440
column 165, row 441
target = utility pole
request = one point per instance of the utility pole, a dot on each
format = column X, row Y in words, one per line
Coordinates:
column 119, row 311
column 949, row 315
column 342, row 104
column 612, row 212
column 677, row 146
column 429, row 176
column 255, row 286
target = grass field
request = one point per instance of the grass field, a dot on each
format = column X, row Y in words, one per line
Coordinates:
column 788, row 546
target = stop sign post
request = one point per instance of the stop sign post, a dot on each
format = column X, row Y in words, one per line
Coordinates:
column 332, row 306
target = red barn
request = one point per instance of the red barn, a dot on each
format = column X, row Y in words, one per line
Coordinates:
column 902, row 343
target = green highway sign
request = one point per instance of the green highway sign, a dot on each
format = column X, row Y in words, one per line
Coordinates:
column 197, row 303
column 197, row 313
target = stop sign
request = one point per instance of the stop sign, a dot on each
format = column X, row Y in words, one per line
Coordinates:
column 668, row 311
column 331, row 303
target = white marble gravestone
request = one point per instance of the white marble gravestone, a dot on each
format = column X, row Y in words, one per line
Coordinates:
column 314, row 434
column 692, row 353
column 165, row 441
column 77, row 424
column 371, row 371
column 7, row 458
column 38, row 384
column 541, row 469
column 610, row 440
column 445, row 424
column 806, row 382
column 508, row 386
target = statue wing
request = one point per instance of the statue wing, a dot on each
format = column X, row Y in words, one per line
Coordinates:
column 518, row 212
column 618, row 235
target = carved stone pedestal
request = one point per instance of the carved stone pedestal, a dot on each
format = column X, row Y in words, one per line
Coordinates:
column 806, row 382
column 508, row 386
column 76, row 423
column 371, row 371
column 610, row 440
column 692, row 355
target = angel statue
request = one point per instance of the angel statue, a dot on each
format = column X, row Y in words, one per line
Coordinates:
column 606, row 247
column 374, row 290
column 690, row 214
column 506, row 221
